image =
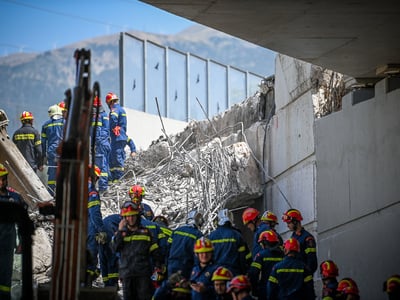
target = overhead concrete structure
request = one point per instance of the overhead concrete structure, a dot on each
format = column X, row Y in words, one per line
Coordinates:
column 357, row 38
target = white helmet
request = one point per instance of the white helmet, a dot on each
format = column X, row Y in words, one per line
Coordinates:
column 196, row 218
column 224, row 215
column 55, row 110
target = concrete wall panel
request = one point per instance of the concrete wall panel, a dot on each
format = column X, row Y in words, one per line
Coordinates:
column 292, row 135
column 297, row 185
column 292, row 79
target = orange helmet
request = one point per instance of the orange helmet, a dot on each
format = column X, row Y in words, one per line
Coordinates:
column 328, row 269
column 222, row 274
column 250, row 215
column 62, row 105
column 110, row 97
column 96, row 101
column 26, row 115
column 269, row 216
column 292, row 214
column 292, row 245
column 238, row 283
column 392, row 284
column 3, row 170
column 348, row 286
column 268, row 236
column 202, row 245
column 129, row 209
column 136, row 191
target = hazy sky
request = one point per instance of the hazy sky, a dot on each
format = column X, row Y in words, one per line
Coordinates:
column 41, row 25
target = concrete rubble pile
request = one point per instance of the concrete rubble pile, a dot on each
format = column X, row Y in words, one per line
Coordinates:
column 208, row 166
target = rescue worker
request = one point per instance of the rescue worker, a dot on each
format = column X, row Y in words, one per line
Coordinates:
column 220, row 278
column 240, row 288
column 8, row 236
column 118, row 128
column 109, row 259
column 392, row 287
column 96, row 230
column 263, row 262
column 52, row 134
column 28, row 141
column 347, row 290
column 290, row 279
column 138, row 251
column 136, row 193
column 308, row 247
column 329, row 272
column 271, row 220
column 176, row 287
column 181, row 244
column 230, row 249
column 101, row 124
column 251, row 219
column 200, row 279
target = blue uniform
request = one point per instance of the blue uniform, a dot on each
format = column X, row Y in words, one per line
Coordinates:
column 102, row 146
column 118, row 141
column 108, row 258
column 263, row 263
column 181, row 249
column 131, row 144
column 204, row 275
column 308, row 249
column 95, row 225
column 230, row 249
column 8, row 244
column 147, row 211
column 52, row 134
column 29, row 143
column 158, row 235
column 290, row 279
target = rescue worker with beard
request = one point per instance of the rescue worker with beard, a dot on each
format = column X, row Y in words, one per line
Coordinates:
column 220, row 278
column 138, row 250
column 308, row 247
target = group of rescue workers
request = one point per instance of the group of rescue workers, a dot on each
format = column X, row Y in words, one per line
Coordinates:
column 151, row 261
column 110, row 140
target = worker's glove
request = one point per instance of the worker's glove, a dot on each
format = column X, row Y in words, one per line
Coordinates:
column 116, row 130
column 101, row 238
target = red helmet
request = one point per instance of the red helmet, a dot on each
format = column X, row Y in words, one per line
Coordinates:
column 96, row 170
column 292, row 245
column 26, row 115
column 268, row 236
column 96, row 101
column 238, row 283
column 136, row 191
column 203, row 245
column 129, row 209
column 250, row 215
column 292, row 214
column 392, row 284
column 328, row 269
column 111, row 97
column 269, row 216
column 3, row 170
column 62, row 106
column 222, row 274
column 348, row 286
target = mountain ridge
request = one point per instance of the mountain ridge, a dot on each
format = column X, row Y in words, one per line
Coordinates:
column 34, row 81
